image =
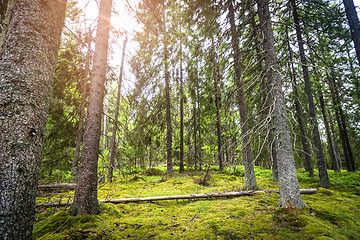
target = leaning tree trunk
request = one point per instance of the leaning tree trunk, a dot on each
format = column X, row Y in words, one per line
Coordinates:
column 288, row 182
column 113, row 136
column 250, row 179
column 80, row 132
column 27, row 64
column 299, row 114
column 354, row 23
column 85, row 200
column 323, row 175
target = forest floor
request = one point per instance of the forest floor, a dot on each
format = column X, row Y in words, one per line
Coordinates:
column 330, row 214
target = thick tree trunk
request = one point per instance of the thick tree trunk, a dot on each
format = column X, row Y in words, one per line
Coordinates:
column 335, row 165
column 288, row 182
column 354, row 23
column 27, row 64
column 113, row 136
column 299, row 113
column 85, row 200
column 323, row 175
column 82, row 109
column 250, row 179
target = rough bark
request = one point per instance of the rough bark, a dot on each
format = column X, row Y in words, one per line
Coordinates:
column 323, row 175
column 82, row 110
column 85, row 200
column 299, row 113
column 354, row 23
column 117, row 105
column 27, row 65
column 250, row 179
column 335, row 165
column 288, row 182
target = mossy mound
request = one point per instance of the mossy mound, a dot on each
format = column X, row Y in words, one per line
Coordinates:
column 152, row 172
column 331, row 214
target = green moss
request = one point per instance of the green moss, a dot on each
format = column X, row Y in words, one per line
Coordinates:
column 331, row 214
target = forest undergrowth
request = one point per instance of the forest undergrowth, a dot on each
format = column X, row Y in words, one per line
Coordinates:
column 330, row 214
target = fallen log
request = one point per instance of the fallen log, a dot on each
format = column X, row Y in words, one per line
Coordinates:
column 57, row 186
column 175, row 197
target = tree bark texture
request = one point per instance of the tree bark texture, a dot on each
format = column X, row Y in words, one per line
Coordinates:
column 323, row 175
column 82, row 109
column 27, row 65
column 288, row 182
column 354, row 23
column 299, row 113
column 113, row 136
column 250, row 179
column 85, row 200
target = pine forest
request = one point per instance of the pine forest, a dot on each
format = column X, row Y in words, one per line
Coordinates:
column 165, row 119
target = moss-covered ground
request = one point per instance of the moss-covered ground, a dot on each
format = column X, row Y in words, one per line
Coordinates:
column 330, row 214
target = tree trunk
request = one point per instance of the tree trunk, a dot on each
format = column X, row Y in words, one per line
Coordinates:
column 299, row 113
column 341, row 121
column 199, row 145
column 335, row 165
column 323, row 175
column 169, row 164
column 250, row 179
column 113, row 136
column 354, row 23
column 336, row 144
column 85, row 200
column 181, row 114
column 27, row 64
column 82, row 110
column 264, row 92
column 195, row 133
column 218, row 117
column 288, row 182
